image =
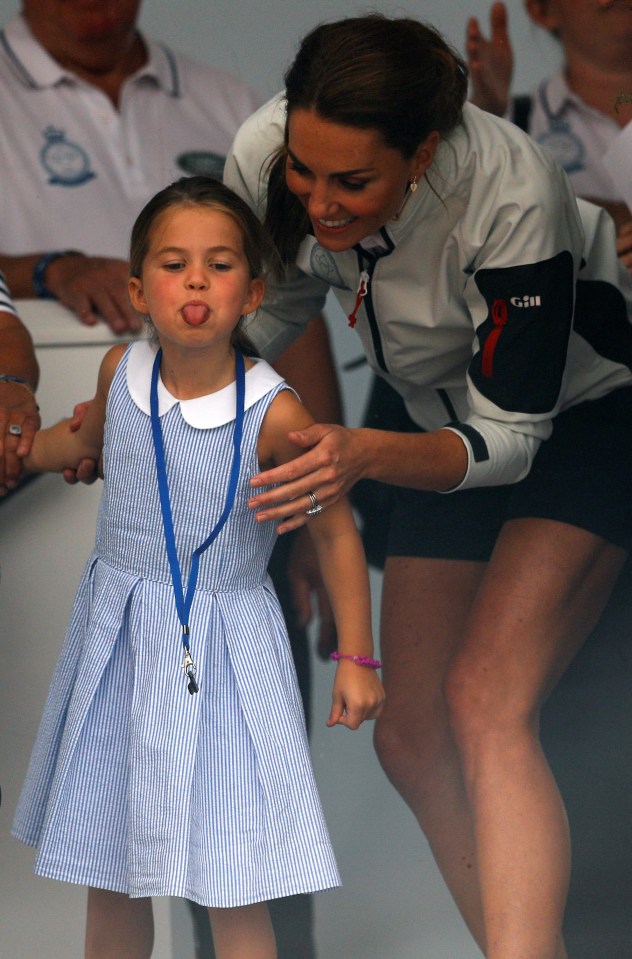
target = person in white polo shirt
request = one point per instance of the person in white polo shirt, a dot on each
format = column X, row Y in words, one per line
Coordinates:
column 580, row 112
column 96, row 118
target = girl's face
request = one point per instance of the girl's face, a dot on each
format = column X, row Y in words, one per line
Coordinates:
column 195, row 281
column 347, row 179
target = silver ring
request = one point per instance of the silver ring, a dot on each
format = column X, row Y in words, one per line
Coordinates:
column 315, row 508
column 15, row 429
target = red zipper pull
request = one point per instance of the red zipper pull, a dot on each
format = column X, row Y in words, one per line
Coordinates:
column 499, row 319
column 363, row 289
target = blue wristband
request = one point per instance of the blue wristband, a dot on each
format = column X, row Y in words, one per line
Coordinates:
column 9, row 378
column 39, row 272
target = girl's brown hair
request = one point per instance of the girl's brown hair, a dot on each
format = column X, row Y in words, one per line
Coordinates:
column 397, row 76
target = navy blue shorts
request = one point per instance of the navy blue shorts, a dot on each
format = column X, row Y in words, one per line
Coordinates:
column 582, row 475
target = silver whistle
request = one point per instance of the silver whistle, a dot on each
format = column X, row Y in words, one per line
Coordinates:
column 189, row 668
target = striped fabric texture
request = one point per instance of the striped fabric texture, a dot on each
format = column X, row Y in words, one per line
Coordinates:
column 6, row 303
column 135, row 785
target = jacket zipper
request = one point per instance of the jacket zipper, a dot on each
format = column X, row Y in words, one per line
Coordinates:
column 367, row 263
column 363, row 289
column 499, row 319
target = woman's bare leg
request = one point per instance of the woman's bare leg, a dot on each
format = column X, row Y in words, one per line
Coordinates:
column 425, row 607
column 118, row 927
column 543, row 591
column 243, row 933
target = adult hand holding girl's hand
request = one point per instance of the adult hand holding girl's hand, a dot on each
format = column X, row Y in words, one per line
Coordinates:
column 335, row 461
column 357, row 695
column 18, row 409
column 88, row 470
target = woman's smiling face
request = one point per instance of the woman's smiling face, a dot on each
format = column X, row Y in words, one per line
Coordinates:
column 347, row 179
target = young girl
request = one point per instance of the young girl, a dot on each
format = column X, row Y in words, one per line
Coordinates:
column 172, row 757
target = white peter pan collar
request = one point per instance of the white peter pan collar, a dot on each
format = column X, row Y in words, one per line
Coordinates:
column 204, row 412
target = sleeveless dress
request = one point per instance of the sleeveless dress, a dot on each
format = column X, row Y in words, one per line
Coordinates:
column 135, row 785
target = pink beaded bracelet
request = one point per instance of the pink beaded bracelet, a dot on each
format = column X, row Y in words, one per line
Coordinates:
column 359, row 660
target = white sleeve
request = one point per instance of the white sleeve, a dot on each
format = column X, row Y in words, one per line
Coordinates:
column 289, row 305
column 520, row 293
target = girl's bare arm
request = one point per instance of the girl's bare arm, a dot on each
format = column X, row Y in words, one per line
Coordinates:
column 358, row 693
column 58, row 447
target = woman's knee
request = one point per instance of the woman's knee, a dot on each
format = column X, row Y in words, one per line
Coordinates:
column 408, row 746
column 390, row 745
column 484, row 710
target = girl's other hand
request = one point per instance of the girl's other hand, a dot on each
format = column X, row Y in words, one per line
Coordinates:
column 357, row 695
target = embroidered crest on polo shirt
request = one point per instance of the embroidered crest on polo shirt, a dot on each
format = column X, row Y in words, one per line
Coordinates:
column 202, row 162
column 66, row 163
column 565, row 146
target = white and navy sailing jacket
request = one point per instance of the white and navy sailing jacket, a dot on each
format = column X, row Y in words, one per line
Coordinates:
column 467, row 300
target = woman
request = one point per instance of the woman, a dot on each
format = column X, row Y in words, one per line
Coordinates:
column 454, row 245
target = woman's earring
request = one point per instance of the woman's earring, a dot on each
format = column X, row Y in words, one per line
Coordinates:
column 413, row 184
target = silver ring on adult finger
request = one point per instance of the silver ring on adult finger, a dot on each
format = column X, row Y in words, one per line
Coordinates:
column 315, row 508
column 15, row 429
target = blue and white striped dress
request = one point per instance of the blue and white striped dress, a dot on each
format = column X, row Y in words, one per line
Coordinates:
column 135, row 785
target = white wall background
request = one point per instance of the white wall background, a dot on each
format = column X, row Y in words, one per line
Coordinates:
column 393, row 902
column 235, row 35
column 257, row 41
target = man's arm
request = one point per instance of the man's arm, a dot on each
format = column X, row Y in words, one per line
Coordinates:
column 19, row 415
column 93, row 287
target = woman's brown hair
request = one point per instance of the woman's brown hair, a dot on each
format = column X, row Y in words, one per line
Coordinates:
column 397, row 76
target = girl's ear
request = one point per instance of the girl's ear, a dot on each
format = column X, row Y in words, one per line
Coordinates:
column 256, row 292
column 136, row 295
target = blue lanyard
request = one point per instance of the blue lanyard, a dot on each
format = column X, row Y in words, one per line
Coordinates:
column 184, row 601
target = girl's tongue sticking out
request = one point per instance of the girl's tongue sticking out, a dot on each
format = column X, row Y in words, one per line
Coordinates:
column 195, row 314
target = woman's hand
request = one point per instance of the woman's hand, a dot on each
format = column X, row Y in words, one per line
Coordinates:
column 19, row 422
column 335, row 461
column 358, row 694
